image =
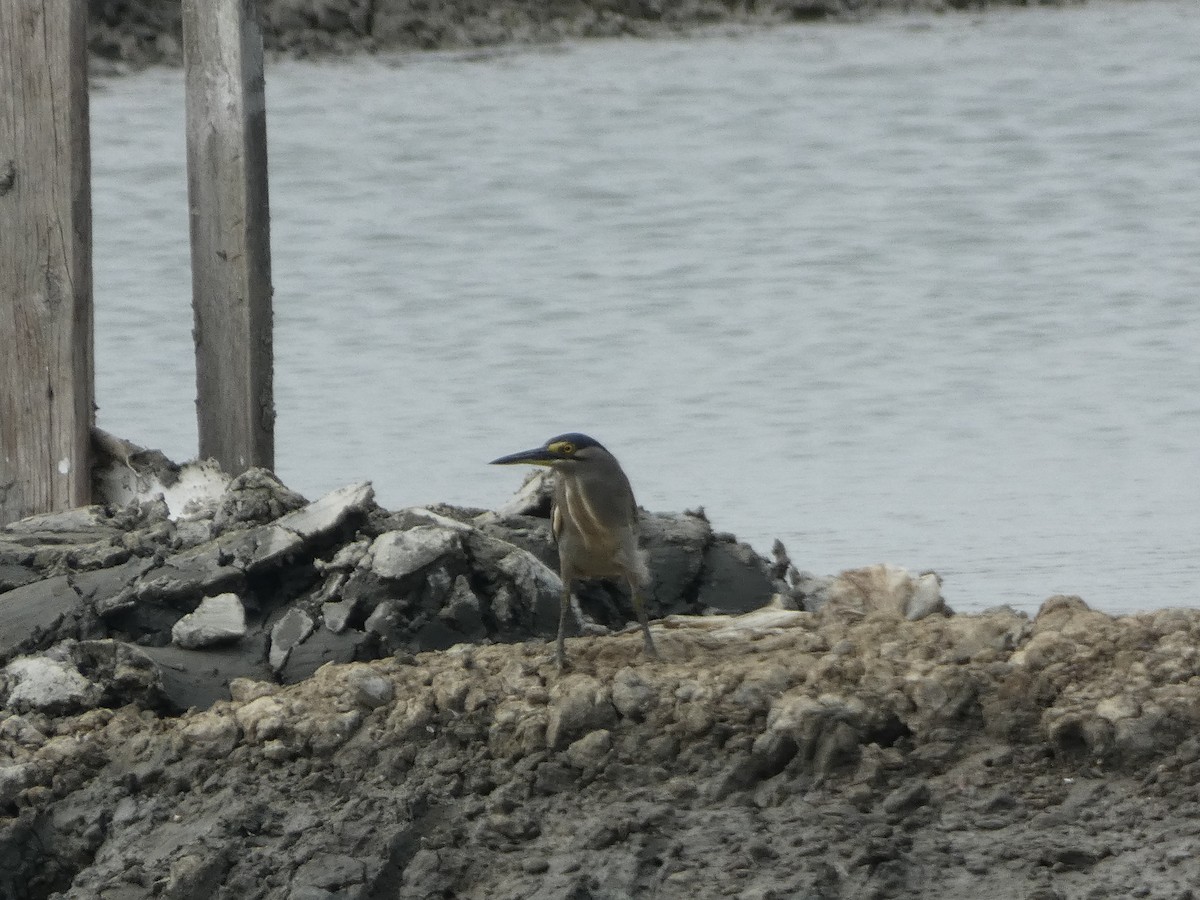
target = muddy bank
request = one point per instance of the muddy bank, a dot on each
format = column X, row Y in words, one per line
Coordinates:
column 806, row 736
column 778, row 754
column 138, row 33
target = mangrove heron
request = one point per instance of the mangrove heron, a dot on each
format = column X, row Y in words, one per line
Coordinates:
column 595, row 521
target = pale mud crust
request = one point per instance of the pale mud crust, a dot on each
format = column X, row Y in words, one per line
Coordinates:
column 139, row 33
column 835, row 754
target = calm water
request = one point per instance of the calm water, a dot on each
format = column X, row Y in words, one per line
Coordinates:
column 922, row 290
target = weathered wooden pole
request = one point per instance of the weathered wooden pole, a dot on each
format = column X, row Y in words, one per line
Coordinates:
column 46, row 361
column 230, row 231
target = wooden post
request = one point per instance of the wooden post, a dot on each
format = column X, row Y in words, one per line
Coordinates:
column 46, row 361
column 230, row 230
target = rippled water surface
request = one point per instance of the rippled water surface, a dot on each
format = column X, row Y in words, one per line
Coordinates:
column 921, row 290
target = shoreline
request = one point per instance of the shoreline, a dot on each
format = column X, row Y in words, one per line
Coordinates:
column 214, row 687
column 147, row 33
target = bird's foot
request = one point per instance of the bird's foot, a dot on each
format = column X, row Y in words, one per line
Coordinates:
column 561, row 662
column 648, row 645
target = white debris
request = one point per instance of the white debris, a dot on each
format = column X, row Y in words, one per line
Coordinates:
column 531, row 576
column 324, row 515
column 395, row 554
column 216, row 620
column 46, row 684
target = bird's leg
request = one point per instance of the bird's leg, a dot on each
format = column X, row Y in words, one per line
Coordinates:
column 640, row 606
column 561, row 652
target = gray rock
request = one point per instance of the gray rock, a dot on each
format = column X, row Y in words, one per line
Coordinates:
column 112, row 589
column 47, row 685
column 78, row 675
column 336, row 614
column 324, row 646
column 396, row 554
column 734, row 579
column 414, row 516
column 494, row 538
column 532, row 603
column 529, row 574
column 268, row 545
column 193, row 533
column 347, row 557
column 324, row 515
column 217, row 620
column 676, row 546
column 35, row 610
column 255, row 497
column 15, row 574
column 185, row 576
column 384, row 621
column 83, row 524
column 463, row 611
column 291, row 630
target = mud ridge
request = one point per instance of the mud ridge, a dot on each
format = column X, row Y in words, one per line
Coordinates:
column 257, row 696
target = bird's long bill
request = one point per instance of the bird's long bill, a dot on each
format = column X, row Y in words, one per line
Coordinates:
column 539, row 456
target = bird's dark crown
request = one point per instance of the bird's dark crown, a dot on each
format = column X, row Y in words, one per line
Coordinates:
column 577, row 440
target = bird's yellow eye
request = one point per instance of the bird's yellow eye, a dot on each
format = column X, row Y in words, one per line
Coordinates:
column 566, row 448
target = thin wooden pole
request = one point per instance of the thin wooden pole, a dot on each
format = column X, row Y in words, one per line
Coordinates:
column 46, row 361
column 230, row 231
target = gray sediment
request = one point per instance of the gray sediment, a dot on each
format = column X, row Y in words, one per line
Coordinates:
column 259, row 696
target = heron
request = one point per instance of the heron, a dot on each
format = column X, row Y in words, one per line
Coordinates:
column 595, row 522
